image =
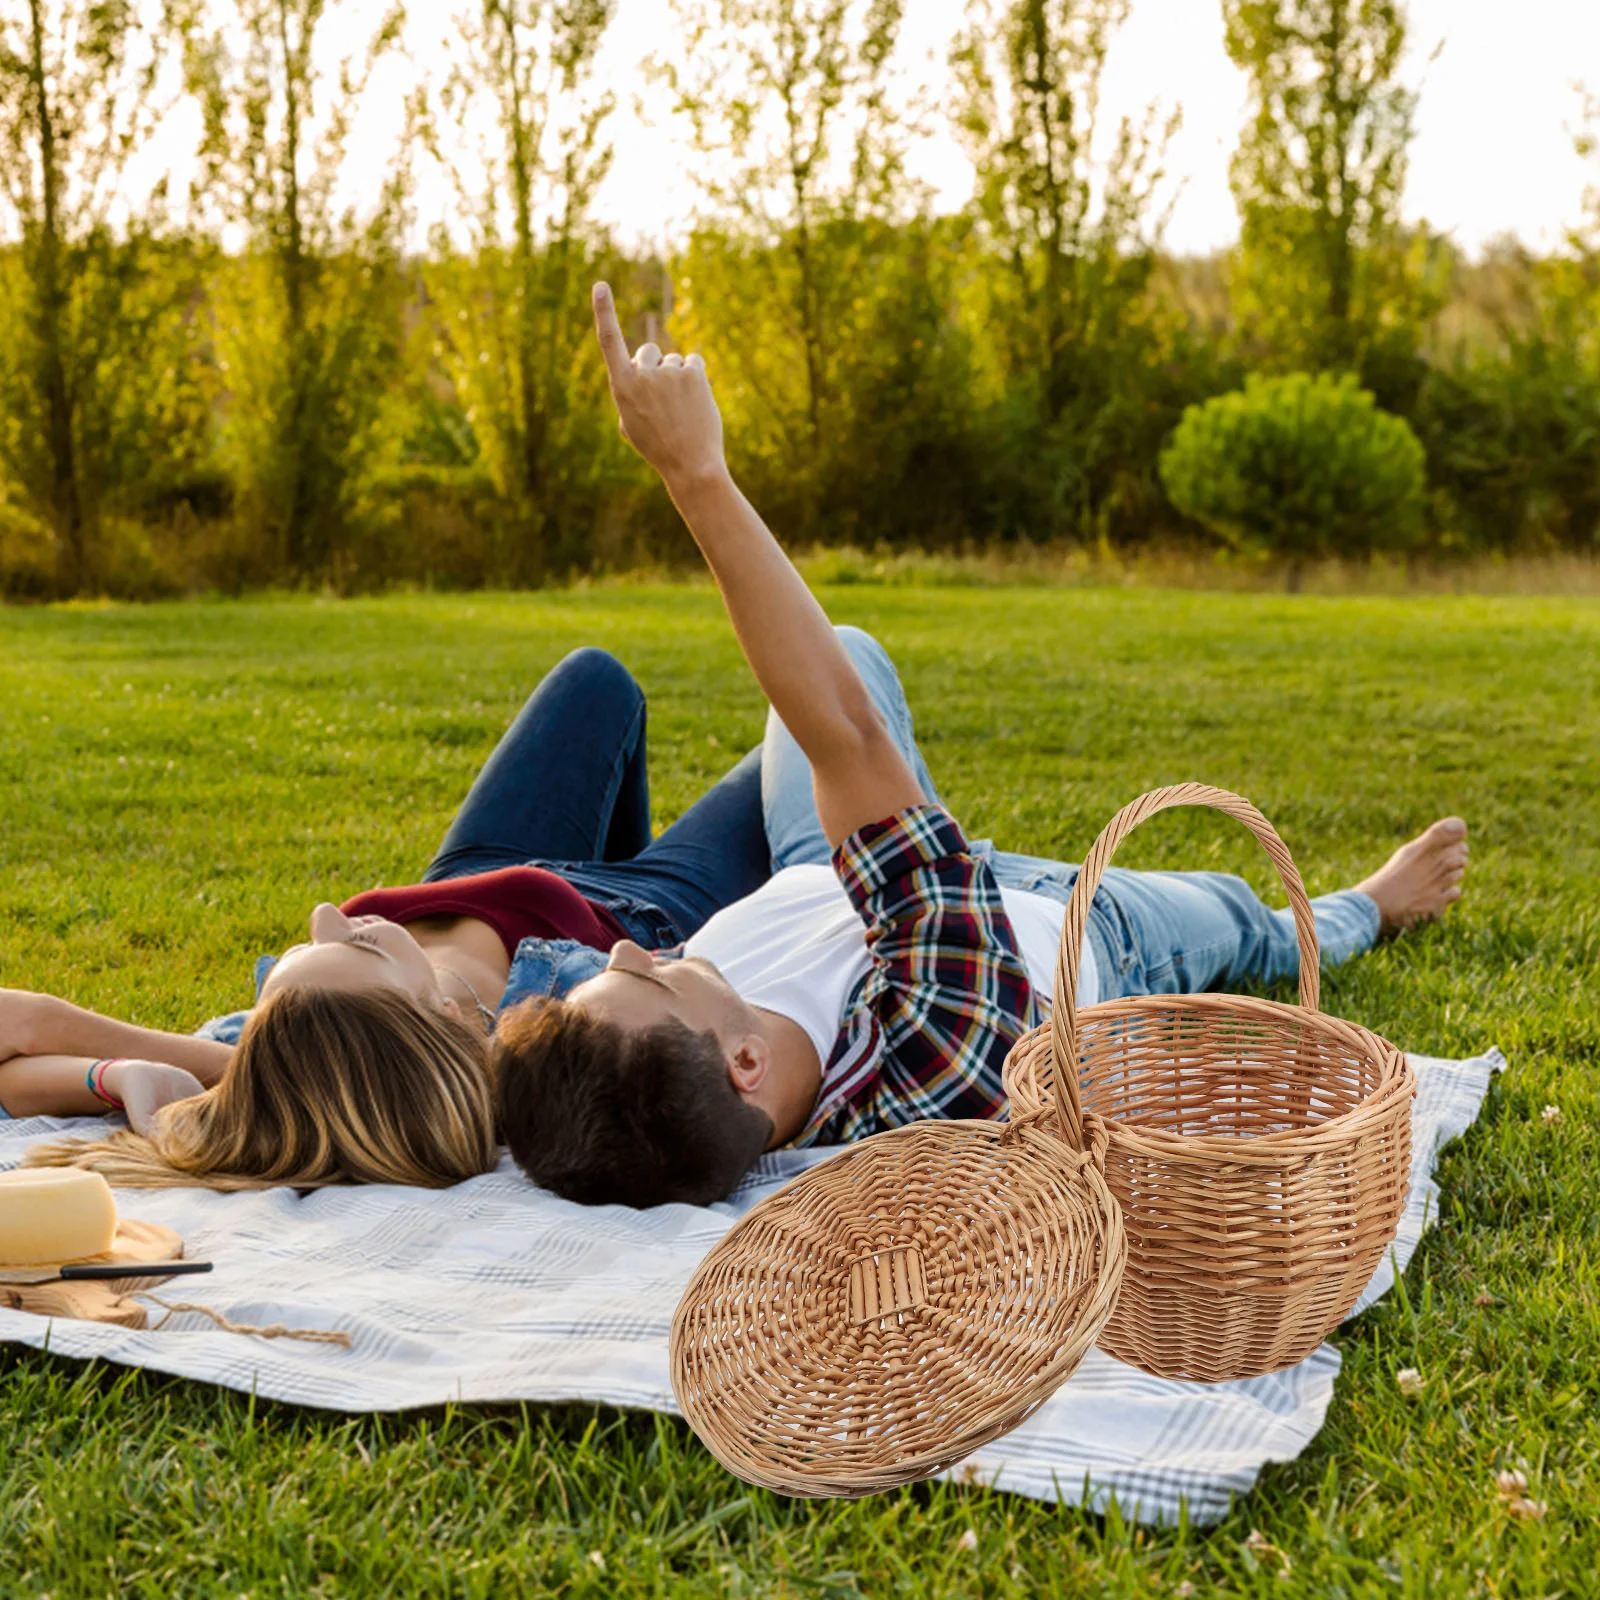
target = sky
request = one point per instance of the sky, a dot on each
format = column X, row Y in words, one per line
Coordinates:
column 1493, row 151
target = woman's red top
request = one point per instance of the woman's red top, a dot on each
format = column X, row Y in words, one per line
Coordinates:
column 517, row 902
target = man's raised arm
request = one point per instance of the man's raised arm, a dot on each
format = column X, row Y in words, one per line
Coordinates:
column 668, row 414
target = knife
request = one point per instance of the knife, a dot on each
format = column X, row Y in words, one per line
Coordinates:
column 148, row 1269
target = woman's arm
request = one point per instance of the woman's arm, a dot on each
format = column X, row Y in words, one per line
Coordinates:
column 669, row 416
column 42, row 1025
column 48, row 1086
column 58, row 1086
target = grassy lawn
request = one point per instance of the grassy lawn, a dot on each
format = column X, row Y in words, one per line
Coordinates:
column 181, row 784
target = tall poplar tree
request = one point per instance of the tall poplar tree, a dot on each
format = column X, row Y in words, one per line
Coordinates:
column 1326, row 275
column 77, row 100
column 519, row 128
column 812, row 275
column 1071, row 242
column 307, row 318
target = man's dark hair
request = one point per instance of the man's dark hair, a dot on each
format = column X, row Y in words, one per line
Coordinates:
column 607, row 1117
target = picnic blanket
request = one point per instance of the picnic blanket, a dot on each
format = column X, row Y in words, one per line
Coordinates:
column 497, row 1291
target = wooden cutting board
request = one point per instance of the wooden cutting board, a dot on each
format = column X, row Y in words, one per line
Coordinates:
column 88, row 1302
column 143, row 1245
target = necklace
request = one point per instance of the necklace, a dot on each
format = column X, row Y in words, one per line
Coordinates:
column 483, row 1010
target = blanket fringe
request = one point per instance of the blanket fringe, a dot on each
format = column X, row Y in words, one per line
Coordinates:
column 275, row 1331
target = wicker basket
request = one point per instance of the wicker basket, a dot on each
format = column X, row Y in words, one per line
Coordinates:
column 900, row 1305
column 1260, row 1152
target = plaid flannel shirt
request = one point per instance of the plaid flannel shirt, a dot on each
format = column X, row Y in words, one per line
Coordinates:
column 927, row 1030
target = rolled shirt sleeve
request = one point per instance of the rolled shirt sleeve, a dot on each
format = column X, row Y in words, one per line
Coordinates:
column 929, row 1027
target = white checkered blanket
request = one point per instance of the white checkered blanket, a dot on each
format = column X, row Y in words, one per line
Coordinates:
column 496, row 1291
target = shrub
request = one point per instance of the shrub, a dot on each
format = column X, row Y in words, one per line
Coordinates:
column 1513, row 443
column 27, row 553
column 1300, row 466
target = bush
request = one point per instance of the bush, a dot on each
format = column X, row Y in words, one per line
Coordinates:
column 1300, row 466
column 1513, row 442
column 27, row 553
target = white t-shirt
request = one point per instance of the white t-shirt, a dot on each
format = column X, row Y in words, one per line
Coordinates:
column 797, row 947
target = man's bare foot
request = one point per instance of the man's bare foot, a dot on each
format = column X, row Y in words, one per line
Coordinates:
column 1421, row 878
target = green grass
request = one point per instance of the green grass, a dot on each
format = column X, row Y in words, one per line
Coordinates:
column 181, row 783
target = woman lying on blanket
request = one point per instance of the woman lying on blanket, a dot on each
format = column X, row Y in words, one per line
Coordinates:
column 366, row 1056
column 838, row 1001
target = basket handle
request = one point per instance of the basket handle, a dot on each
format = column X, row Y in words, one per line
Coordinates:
column 1064, row 1012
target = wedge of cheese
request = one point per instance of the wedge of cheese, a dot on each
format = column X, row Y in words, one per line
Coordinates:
column 52, row 1214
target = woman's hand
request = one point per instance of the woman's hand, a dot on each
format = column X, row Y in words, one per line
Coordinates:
column 144, row 1087
column 664, row 404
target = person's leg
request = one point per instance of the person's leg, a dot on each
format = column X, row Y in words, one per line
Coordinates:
column 1180, row 932
column 794, row 831
column 1186, row 932
column 714, row 854
column 568, row 780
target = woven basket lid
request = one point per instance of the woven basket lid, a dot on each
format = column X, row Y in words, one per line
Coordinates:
column 896, row 1307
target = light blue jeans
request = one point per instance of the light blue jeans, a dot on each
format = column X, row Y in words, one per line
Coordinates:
column 1152, row 932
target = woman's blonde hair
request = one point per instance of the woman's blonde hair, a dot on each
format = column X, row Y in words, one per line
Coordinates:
column 325, row 1087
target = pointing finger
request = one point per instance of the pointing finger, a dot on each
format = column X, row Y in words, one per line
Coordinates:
column 612, row 345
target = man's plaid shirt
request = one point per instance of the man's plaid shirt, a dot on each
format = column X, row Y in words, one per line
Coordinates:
column 927, row 1030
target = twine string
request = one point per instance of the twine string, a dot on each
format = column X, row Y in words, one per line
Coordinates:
column 275, row 1330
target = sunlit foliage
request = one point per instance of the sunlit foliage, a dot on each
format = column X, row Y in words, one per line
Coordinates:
column 273, row 379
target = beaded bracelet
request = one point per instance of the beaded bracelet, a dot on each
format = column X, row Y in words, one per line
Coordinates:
column 95, row 1080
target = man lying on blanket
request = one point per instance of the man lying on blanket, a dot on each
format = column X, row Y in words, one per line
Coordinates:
column 839, row 1001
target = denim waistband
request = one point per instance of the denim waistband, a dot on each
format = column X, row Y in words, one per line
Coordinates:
column 616, row 887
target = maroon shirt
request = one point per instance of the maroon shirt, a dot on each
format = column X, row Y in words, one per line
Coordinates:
column 517, row 902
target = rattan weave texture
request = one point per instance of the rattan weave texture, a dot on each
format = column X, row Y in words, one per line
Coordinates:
column 1260, row 1152
column 898, row 1306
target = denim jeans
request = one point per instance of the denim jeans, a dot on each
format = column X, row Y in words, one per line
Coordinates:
column 567, row 788
column 1152, row 932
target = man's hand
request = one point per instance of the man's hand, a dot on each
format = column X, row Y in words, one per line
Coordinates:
column 670, row 418
column 23, row 1018
column 144, row 1087
column 664, row 403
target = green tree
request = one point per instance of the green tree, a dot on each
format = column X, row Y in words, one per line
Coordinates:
column 519, row 129
column 306, row 319
column 1511, row 415
column 1327, row 278
column 87, row 291
column 1071, row 246
column 812, row 275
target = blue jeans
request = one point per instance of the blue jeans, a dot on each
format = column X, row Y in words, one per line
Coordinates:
column 1152, row 932
column 567, row 788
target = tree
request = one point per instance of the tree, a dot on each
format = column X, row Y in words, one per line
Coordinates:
column 510, row 310
column 1327, row 278
column 818, row 305
column 77, row 100
column 1511, row 418
column 306, row 319
column 1072, row 243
